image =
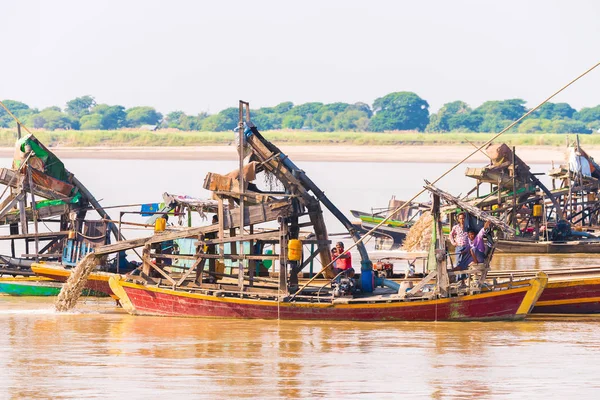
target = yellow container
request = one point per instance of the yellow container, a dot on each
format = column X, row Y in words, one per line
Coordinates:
column 494, row 207
column 294, row 250
column 72, row 235
column 160, row 225
column 537, row 210
column 219, row 267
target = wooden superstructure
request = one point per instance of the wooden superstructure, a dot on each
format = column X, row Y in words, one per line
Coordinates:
column 45, row 207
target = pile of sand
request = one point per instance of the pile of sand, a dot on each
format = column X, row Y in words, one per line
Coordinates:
column 419, row 235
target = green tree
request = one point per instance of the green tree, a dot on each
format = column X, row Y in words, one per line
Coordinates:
column 292, row 122
column 283, row 108
column 173, row 119
column 80, row 106
column 351, row 120
column 138, row 116
column 266, row 121
column 400, row 111
column 113, row 117
column 306, row 110
column 569, row 126
column 19, row 109
column 364, row 107
column 52, row 118
column 554, row 110
column 496, row 114
column 588, row 114
column 91, row 122
column 444, row 120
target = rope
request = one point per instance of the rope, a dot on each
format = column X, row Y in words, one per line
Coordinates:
column 448, row 171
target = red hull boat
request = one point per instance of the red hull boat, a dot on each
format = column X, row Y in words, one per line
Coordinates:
column 508, row 304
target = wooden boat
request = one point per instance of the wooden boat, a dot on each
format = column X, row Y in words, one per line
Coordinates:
column 509, row 304
column 97, row 281
column 574, row 290
column 523, row 246
column 35, row 286
column 199, row 289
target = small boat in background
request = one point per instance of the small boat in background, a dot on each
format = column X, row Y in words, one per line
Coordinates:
column 392, row 233
column 36, row 286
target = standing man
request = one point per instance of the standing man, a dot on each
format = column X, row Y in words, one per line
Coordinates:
column 458, row 238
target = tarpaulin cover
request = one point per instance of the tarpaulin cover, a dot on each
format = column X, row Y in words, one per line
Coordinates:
column 52, row 164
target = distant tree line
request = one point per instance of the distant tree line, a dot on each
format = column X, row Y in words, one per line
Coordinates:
column 394, row 112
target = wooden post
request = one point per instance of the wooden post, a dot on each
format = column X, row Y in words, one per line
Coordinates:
column 251, row 263
column 241, row 186
column 514, row 187
column 283, row 287
column 18, row 130
column 34, row 213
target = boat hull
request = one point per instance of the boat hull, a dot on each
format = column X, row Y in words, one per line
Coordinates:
column 573, row 296
column 36, row 286
column 30, row 286
column 97, row 281
column 510, row 304
column 531, row 247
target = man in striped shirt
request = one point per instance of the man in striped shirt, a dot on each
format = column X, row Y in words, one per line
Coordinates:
column 458, row 238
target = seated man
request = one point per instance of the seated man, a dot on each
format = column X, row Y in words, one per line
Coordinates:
column 344, row 261
column 476, row 245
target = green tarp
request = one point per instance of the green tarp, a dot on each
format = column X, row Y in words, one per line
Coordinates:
column 52, row 164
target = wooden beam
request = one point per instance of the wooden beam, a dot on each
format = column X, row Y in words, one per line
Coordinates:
column 149, row 262
column 189, row 271
column 41, row 235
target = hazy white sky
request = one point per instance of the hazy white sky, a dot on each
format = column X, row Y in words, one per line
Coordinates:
column 205, row 55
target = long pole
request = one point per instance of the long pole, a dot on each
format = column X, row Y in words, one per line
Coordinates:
column 450, row 170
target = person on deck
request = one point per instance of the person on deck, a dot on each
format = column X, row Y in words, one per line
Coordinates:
column 458, row 238
column 476, row 245
column 344, row 261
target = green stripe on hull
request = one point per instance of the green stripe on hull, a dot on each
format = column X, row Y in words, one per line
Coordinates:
column 28, row 289
column 39, row 289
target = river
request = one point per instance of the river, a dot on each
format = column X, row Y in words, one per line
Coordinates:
column 99, row 351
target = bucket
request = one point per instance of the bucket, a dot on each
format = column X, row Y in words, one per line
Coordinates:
column 294, row 250
column 537, row 210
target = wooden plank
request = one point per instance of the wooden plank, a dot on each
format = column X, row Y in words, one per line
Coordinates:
column 421, row 284
column 41, row 235
column 189, row 271
column 47, row 255
column 149, row 262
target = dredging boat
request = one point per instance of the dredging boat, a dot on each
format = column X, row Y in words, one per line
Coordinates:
column 237, row 291
column 43, row 193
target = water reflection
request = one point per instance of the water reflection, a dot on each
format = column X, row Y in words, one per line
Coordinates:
column 100, row 351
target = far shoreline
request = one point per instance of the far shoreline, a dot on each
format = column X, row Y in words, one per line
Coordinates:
column 324, row 153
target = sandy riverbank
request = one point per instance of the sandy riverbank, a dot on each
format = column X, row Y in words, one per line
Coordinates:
column 440, row 153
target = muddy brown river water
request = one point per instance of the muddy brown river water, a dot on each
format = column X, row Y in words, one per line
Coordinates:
column 98, row 351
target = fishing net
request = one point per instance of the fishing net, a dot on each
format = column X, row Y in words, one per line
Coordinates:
column 419, row 235
column 71, row 290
